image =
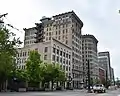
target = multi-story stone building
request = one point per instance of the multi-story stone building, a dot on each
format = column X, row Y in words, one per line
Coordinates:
column 89, row 52
column 51, row 51
column 112, row 76
column 104, row 62
column 30, row 35
column 65, row 28
column 102, row 74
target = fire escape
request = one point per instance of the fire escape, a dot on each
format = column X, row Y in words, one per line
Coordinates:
column 40, row 32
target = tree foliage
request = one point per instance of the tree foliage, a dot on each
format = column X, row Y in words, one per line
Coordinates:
column 37, row 71
column 33, row 67
column 8, row 42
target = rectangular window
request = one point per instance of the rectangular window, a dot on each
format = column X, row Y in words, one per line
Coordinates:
column 66, row 41
column 69, row 63
column 66, row 55
column 18, row 54
column 63, row 67
column 63, row 61
column 57, row 58
column 66, row 61
column 66, row 30
column 59, row 38
column 54, row 50
column 69, row 56
column 63, row 31
column 69, row 68
column 59, row 32
column 46, row 49
column 46, row 38
column 66, row 68
column 21, row 54
column 53, row 57
column 45, row 57
column 63, row 54
column 60, row 60
column 60, row 53
column 25, row 54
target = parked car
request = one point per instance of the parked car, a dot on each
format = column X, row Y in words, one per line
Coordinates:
column 99, row 88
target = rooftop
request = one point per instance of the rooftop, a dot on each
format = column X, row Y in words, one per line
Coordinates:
column 90, row 36
column 70, row 12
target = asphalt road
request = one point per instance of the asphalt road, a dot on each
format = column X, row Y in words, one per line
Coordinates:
column 64, row 93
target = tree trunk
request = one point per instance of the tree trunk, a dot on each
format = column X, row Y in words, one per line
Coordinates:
column 0, row 87
column 52, row 85
column 40, row 85
column 57, row 84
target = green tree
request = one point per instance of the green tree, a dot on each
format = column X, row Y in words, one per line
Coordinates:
column 8, row 44
column 54, row 74
column 20, row 74
column 33, row 67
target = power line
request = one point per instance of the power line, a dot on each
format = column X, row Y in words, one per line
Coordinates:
column 3, row 15
column 10, row 24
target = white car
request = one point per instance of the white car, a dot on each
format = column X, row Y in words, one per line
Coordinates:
column 99, row 88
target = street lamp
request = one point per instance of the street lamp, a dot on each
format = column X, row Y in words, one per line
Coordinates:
column 88, row 73
column 69, row 82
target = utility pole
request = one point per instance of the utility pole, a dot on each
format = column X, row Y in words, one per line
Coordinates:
column 88, row 63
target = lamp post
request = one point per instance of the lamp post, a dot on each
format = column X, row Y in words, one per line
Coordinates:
column 88, row 65
column 69, row 82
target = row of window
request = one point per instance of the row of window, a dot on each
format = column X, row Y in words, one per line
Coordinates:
column 61, row 60
column 61, row 53
column 63, row 38
column 75, row 61
column 76, row 75
column 76, row 67
column 57, row 27
column 86, row 40
column 66, row 68
column 89, row 52
column 29, row 42
column 76, row 50
column 19, row 60
column 87, row 56
column 76, row 39
column 75, row 55
column 21, row 67
column 63, row 21
column 62, row 17
column 29, row 37
column 30, row 32
column 76, row 44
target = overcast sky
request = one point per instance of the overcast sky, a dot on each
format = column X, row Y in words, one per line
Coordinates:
column 100, row 18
